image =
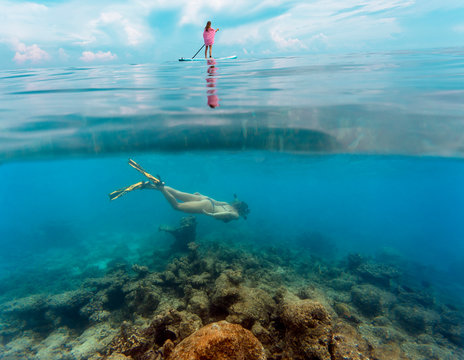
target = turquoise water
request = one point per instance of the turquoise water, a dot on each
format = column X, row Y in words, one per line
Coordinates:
column 364, row 149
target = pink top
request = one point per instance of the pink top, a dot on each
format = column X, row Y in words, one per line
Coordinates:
column 208, row 36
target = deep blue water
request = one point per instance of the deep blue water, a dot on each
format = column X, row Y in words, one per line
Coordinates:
column 365, row 149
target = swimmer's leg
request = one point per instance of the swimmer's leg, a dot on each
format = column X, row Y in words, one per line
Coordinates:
column 183, row 196
column 179, row 195
column 194, row 207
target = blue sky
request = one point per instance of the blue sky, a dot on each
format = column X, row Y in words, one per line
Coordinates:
column 77, row 32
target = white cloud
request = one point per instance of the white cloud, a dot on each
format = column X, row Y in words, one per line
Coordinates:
column 286, row 43
column 459, row 28
column 89, row 56
column 102, row 22
column 132, row 32
column 63, row 55
column 31, row 53
column 318, row 41
column 322, row 24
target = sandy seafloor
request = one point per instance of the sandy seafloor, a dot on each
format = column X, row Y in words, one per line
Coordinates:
column 85, row 278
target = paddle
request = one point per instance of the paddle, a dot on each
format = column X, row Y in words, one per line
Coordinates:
column 198, row 51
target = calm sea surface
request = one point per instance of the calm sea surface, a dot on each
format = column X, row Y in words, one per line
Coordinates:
column 391, row 103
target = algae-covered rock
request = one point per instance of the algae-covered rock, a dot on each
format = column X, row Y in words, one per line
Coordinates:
column 241, row 304
column 199, row 280
column 118, row 356
column 198, row 303
column 389, row 351
column 226, row 290
column 219, row 341
column 141, row 270
column 415, row 296
column 368, row 299
column 377, row 274
column 451, row 326
column 341, row 284
column 92, row 341
column 344, row 311
column 253, row 305
column 304, row 314
column 172, row 325
column 184, row 234
column 308, row 328
column 354, row 261
column 412, row 319
column 347, row 344
column 130, row 342
column 49, row 312
column 142, row 298
column 377, row 335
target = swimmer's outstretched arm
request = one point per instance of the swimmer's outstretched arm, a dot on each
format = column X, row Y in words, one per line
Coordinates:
column 224, row 215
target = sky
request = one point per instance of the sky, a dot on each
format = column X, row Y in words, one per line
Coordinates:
column 78, row 32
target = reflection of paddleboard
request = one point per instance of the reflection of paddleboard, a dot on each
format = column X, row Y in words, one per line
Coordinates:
column 203, row 59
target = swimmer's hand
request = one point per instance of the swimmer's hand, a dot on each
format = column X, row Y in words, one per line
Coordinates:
column 224, row 216
column 217, row 29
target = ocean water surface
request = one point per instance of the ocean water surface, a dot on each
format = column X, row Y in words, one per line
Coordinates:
column 338, row 157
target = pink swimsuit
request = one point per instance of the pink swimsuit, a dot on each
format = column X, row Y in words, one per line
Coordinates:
column 208, row 36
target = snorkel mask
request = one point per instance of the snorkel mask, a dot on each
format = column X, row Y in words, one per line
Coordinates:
column 241, row 207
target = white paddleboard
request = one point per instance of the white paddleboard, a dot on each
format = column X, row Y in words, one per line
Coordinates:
column 203, row 59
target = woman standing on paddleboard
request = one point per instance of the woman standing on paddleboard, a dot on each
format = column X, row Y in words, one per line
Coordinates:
column 208, row 36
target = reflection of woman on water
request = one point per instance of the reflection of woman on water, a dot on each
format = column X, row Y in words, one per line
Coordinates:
column 190, row 203
column 213, row 100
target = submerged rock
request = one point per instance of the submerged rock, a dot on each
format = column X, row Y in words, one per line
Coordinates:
column 377, row 274
column 347, row 344
column 172, row 325
column 303, row 314
column 184, row 234
column 354, row 261
column 412, row 319
column 415, row 296
column 308, row 329
column 345, row 312
column 198, row 303
column 130, row 342
column 241, row 304
column 451, row 326
column 254, row 305
column 368, row 299
column 219, row 341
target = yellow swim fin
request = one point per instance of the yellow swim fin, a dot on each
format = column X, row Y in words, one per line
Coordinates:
column 139, row 168
column 118, row 193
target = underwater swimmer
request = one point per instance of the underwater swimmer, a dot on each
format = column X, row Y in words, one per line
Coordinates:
column 200, row 204
column 190, row 203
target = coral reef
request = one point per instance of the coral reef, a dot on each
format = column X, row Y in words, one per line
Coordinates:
column 222, row 302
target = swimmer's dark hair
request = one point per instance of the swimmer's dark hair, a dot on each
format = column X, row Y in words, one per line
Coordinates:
column 241, row 207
